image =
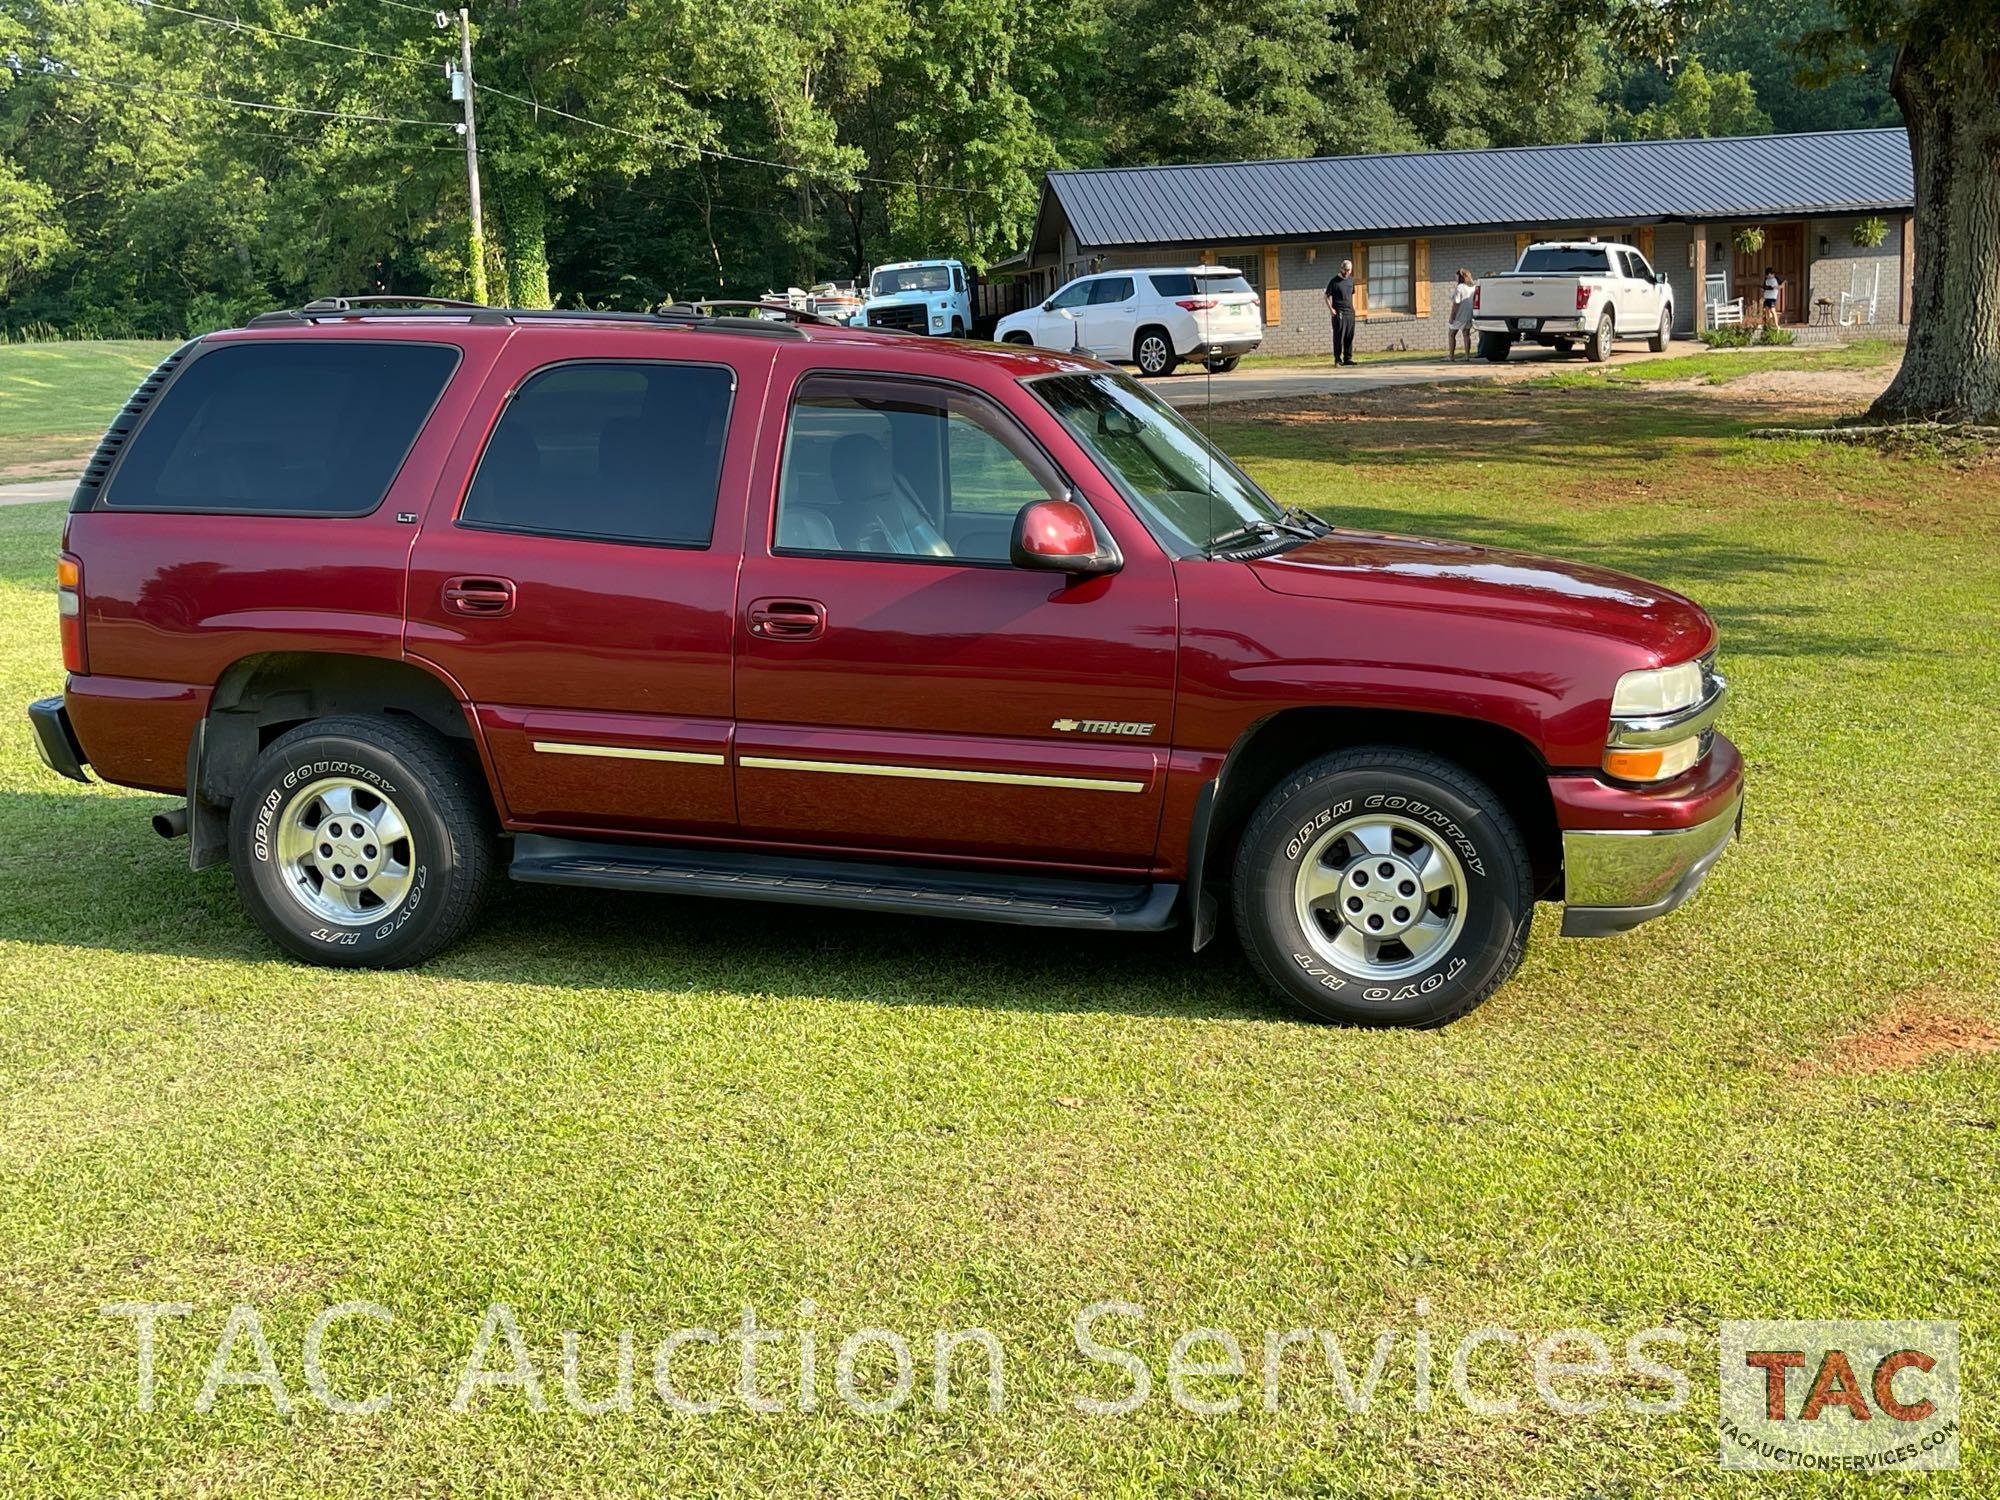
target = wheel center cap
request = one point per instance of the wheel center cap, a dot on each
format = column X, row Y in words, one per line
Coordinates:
column 1381, row 896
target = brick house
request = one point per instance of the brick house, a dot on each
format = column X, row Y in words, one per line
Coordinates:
column 1410, row 221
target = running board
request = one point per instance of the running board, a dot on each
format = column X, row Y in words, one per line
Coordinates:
column 981, row 896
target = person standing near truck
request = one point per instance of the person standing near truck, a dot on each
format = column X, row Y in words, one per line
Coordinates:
column 1340, row 307
column 1460, row 322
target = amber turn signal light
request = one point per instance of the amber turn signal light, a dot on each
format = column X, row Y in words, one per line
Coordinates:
column 69, row 572
column 1652, row 764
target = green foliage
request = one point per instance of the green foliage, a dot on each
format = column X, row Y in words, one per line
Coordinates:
column 1700, row 103
column 1868, row 233
column 1744, row 335
column 733, row 149
column 1749, row 239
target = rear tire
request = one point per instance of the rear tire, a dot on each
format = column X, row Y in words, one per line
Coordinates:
column 1153, row 352
column 1599, row 347
column 1563, row 346
column 362, row 842
column 1395, row 840
column 1495, row 347
column 1224, row 364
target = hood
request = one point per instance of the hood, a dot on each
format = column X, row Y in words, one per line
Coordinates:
column 1488, row 582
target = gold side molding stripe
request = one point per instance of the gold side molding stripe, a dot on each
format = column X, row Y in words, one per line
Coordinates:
column 938, row 773
column 628, row 752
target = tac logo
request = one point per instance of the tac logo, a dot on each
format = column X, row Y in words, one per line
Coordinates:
column 1840, row 1396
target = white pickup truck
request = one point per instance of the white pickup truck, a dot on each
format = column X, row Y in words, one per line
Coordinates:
column 1569, row 292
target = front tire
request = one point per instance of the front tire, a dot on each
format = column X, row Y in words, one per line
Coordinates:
column 1017, row 337
column 1153, row 352
column 1383, row 887
column 958, row 328
column 1495, row 347
column 361, row 842
column 1664, row 334
column 1599, row 348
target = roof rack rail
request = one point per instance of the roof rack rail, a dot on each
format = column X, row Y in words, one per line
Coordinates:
column 677, row 315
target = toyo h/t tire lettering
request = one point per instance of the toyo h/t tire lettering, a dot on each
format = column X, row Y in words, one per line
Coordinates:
column 1381, row 886
column 361, row 842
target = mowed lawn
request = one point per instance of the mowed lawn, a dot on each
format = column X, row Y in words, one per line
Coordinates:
column 56, row 399
column 610, row 1112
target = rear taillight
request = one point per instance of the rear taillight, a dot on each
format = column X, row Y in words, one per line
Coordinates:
column 1582, row 298
column 69, row 607
column 1475, row 299
column 1196, row 304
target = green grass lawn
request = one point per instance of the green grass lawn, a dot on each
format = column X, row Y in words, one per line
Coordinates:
column 56, row 399
column 613, row 1112
column 1721, row 366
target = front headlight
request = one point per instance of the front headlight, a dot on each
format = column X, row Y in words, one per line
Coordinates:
column 1659, row 690
column 1662, row 720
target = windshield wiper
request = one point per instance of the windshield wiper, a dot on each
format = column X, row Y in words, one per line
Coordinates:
column 1259, row 531
column 1313, row 524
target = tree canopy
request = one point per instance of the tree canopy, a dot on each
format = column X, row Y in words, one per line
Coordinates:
column 171, row 166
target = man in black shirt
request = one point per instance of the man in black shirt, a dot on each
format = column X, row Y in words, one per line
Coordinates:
column 1340, row 304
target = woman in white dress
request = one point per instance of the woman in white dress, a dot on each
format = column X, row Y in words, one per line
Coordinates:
column 1459, row 324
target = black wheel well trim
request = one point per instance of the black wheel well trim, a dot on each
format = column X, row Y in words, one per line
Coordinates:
column 258, row 697
column 1282, row 741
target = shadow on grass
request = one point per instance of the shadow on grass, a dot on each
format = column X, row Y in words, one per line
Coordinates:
column 80, row 872
column 1442, row 426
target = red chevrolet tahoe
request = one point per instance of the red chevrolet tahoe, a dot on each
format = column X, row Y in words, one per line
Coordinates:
column 401, row 597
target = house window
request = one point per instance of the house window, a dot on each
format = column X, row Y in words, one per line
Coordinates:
column 1390, row 286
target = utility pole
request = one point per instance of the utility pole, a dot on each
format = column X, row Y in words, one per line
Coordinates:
column 462, row 86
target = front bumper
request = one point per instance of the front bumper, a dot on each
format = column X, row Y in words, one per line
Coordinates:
column 1616, row 878
column 55, row 738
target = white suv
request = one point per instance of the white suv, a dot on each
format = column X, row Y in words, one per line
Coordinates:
column 1150, row 318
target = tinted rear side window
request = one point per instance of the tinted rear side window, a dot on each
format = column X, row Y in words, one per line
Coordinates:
column 316, row 429
column 608, row 450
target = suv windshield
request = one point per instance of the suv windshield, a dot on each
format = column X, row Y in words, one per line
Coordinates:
column 1565, row 260
column 910, row 279
column 1189, row 492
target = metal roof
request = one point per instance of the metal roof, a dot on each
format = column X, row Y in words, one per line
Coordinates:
column 1725, row 178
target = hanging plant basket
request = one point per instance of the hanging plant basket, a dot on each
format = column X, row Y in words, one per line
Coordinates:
column 1750, row 240
column 1868, row 233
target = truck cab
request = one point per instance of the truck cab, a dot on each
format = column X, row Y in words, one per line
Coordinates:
column 403, row 600
column 1563, row 294
column 920, row 296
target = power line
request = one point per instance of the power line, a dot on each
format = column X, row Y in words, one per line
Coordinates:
column 289, row 36
column 256, row 104
column 711, row 152
column 717, row 155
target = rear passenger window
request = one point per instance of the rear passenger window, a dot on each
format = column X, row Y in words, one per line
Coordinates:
column 1173, row 283
column 283, row 428
column 610, row 451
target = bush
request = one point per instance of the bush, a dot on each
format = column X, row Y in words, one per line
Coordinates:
column 1868, row 233
column 1744, row 335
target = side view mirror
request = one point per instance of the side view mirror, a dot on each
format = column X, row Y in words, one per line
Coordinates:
column 1056, row 536
column 1661, row 277
column 1050, row 305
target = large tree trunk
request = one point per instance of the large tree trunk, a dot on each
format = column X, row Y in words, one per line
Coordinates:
column 1951, row 104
